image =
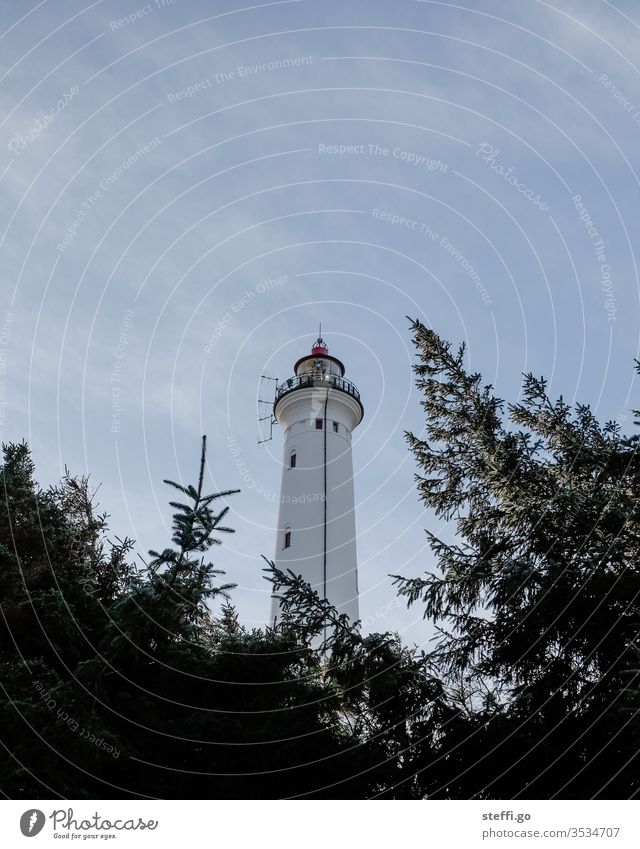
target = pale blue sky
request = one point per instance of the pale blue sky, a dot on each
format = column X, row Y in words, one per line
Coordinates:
column 159, row 162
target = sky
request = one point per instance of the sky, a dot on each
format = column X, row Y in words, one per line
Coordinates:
column 189, row 188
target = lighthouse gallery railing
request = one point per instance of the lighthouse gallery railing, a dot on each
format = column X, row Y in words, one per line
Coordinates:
column 311, row 380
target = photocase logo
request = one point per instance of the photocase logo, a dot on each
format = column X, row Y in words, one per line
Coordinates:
column 32, row 822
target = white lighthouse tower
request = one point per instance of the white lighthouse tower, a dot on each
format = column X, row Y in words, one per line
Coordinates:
column 316, row 538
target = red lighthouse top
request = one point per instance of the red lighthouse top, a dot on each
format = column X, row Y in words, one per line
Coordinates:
column 319, row 355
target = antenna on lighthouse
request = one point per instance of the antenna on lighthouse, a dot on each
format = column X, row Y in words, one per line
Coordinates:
column 269, row 416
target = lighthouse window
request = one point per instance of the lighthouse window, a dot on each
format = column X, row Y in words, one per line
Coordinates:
column 318, row 424
column 335, row 427
column 287, row 539
column 292, row 462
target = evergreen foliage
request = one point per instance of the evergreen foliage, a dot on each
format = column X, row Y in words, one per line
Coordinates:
column 126, row 682
column 537, row 600
column 119, row 682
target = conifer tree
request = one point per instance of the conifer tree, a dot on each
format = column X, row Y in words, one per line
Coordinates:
column 537, row 600
column 58, row 574
column 171, row 603
column 390, row 705
column 119, row 683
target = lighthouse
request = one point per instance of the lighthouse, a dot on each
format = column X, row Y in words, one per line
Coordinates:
column 318, row 409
